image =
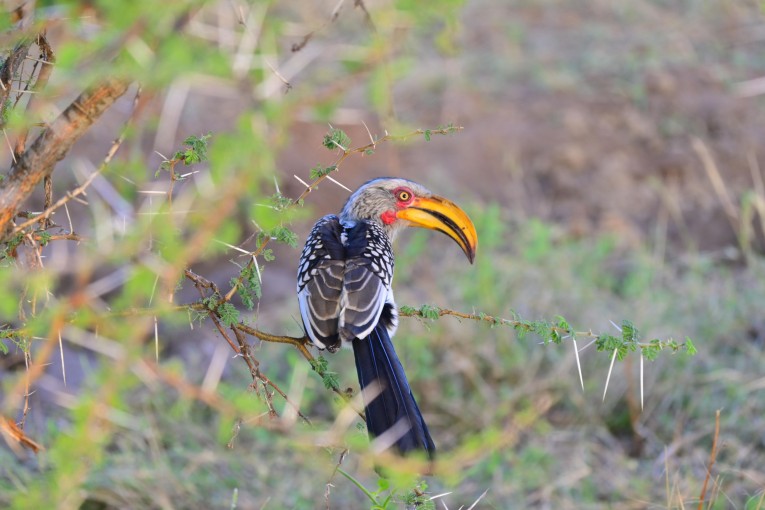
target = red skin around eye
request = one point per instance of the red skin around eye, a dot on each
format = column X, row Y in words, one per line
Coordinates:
column 403, row 203
column 389, row 216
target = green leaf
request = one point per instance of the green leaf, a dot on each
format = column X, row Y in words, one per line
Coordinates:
column 44, row 238
column 689, row 347
column 629, row 331
column 249, row 287
column 430, row 312
column 195, row 151
column 284, row 235
column 319, row 171
column 652, row 351
column 383, row 484
column 319, row 364
column 336, row 139
column 228, row 313
column 330, row 380
column 280, row 202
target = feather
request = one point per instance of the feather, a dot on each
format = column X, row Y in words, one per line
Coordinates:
column 377, row 362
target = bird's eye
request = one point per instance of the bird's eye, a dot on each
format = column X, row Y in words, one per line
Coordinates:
column 403, row 195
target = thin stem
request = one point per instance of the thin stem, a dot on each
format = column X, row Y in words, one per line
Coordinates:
column 358, row 484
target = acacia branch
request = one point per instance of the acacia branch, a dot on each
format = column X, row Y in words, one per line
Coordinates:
column 346, row 152
column 116, row 144
column 243, row 350
column 555, row 333
column 53, row 144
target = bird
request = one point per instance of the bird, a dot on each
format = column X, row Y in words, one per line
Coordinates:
column 345, row 295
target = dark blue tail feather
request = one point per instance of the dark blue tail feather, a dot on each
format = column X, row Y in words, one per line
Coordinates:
column 376, row 360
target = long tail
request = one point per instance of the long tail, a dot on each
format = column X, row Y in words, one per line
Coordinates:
column 376, row 360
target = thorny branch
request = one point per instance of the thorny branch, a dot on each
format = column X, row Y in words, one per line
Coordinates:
column 241, row 348
column 332, row 18
column 562, row 332
column 84, row 186
column 53, row 144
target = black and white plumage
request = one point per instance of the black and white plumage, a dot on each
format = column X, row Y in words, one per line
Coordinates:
column 345, row 295
column 344, row 281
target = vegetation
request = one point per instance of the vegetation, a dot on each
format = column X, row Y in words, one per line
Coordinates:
column 127, row 280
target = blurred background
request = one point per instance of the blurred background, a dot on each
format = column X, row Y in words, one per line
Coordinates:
column 610, row 156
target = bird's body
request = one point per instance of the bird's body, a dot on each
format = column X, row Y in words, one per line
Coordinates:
column 347, row 268
column 345, row 294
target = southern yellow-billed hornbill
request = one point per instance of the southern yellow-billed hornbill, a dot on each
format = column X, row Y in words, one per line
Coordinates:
column 345, row 295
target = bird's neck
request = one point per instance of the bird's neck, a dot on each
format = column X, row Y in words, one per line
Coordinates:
column 391, row 230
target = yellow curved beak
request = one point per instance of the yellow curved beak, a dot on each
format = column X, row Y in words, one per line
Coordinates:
column 438, row 213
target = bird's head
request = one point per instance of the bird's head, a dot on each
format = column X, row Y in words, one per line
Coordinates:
column 396, row 203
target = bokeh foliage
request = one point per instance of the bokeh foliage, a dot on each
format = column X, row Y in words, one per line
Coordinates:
column 131, row 431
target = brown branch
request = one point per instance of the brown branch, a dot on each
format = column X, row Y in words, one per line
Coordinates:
column 53, row 144
column 244, row 350
column 712, row 459
column 47, row 59
column 298, row 343
column 50, row 209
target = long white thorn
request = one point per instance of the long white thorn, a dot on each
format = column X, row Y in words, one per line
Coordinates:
column 301, row 181
column 257, row 269
column 232, row 246
column 443, row 494
column 578, row 364
column 276, row 184
column 156, row 340
column 371, row 138
column 608, row 378
column 10, row 147
column 478, row 500
column 340, row 184
column 61, row 350
column 641, row 380
column 153, row 290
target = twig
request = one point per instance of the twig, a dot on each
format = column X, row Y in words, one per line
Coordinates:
column 81, row 189
column 406, row 311
column 47, row 57
column 711, row 462
column 53, row 144
column 360, row 486
column 306, row 38
column 243, row 349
